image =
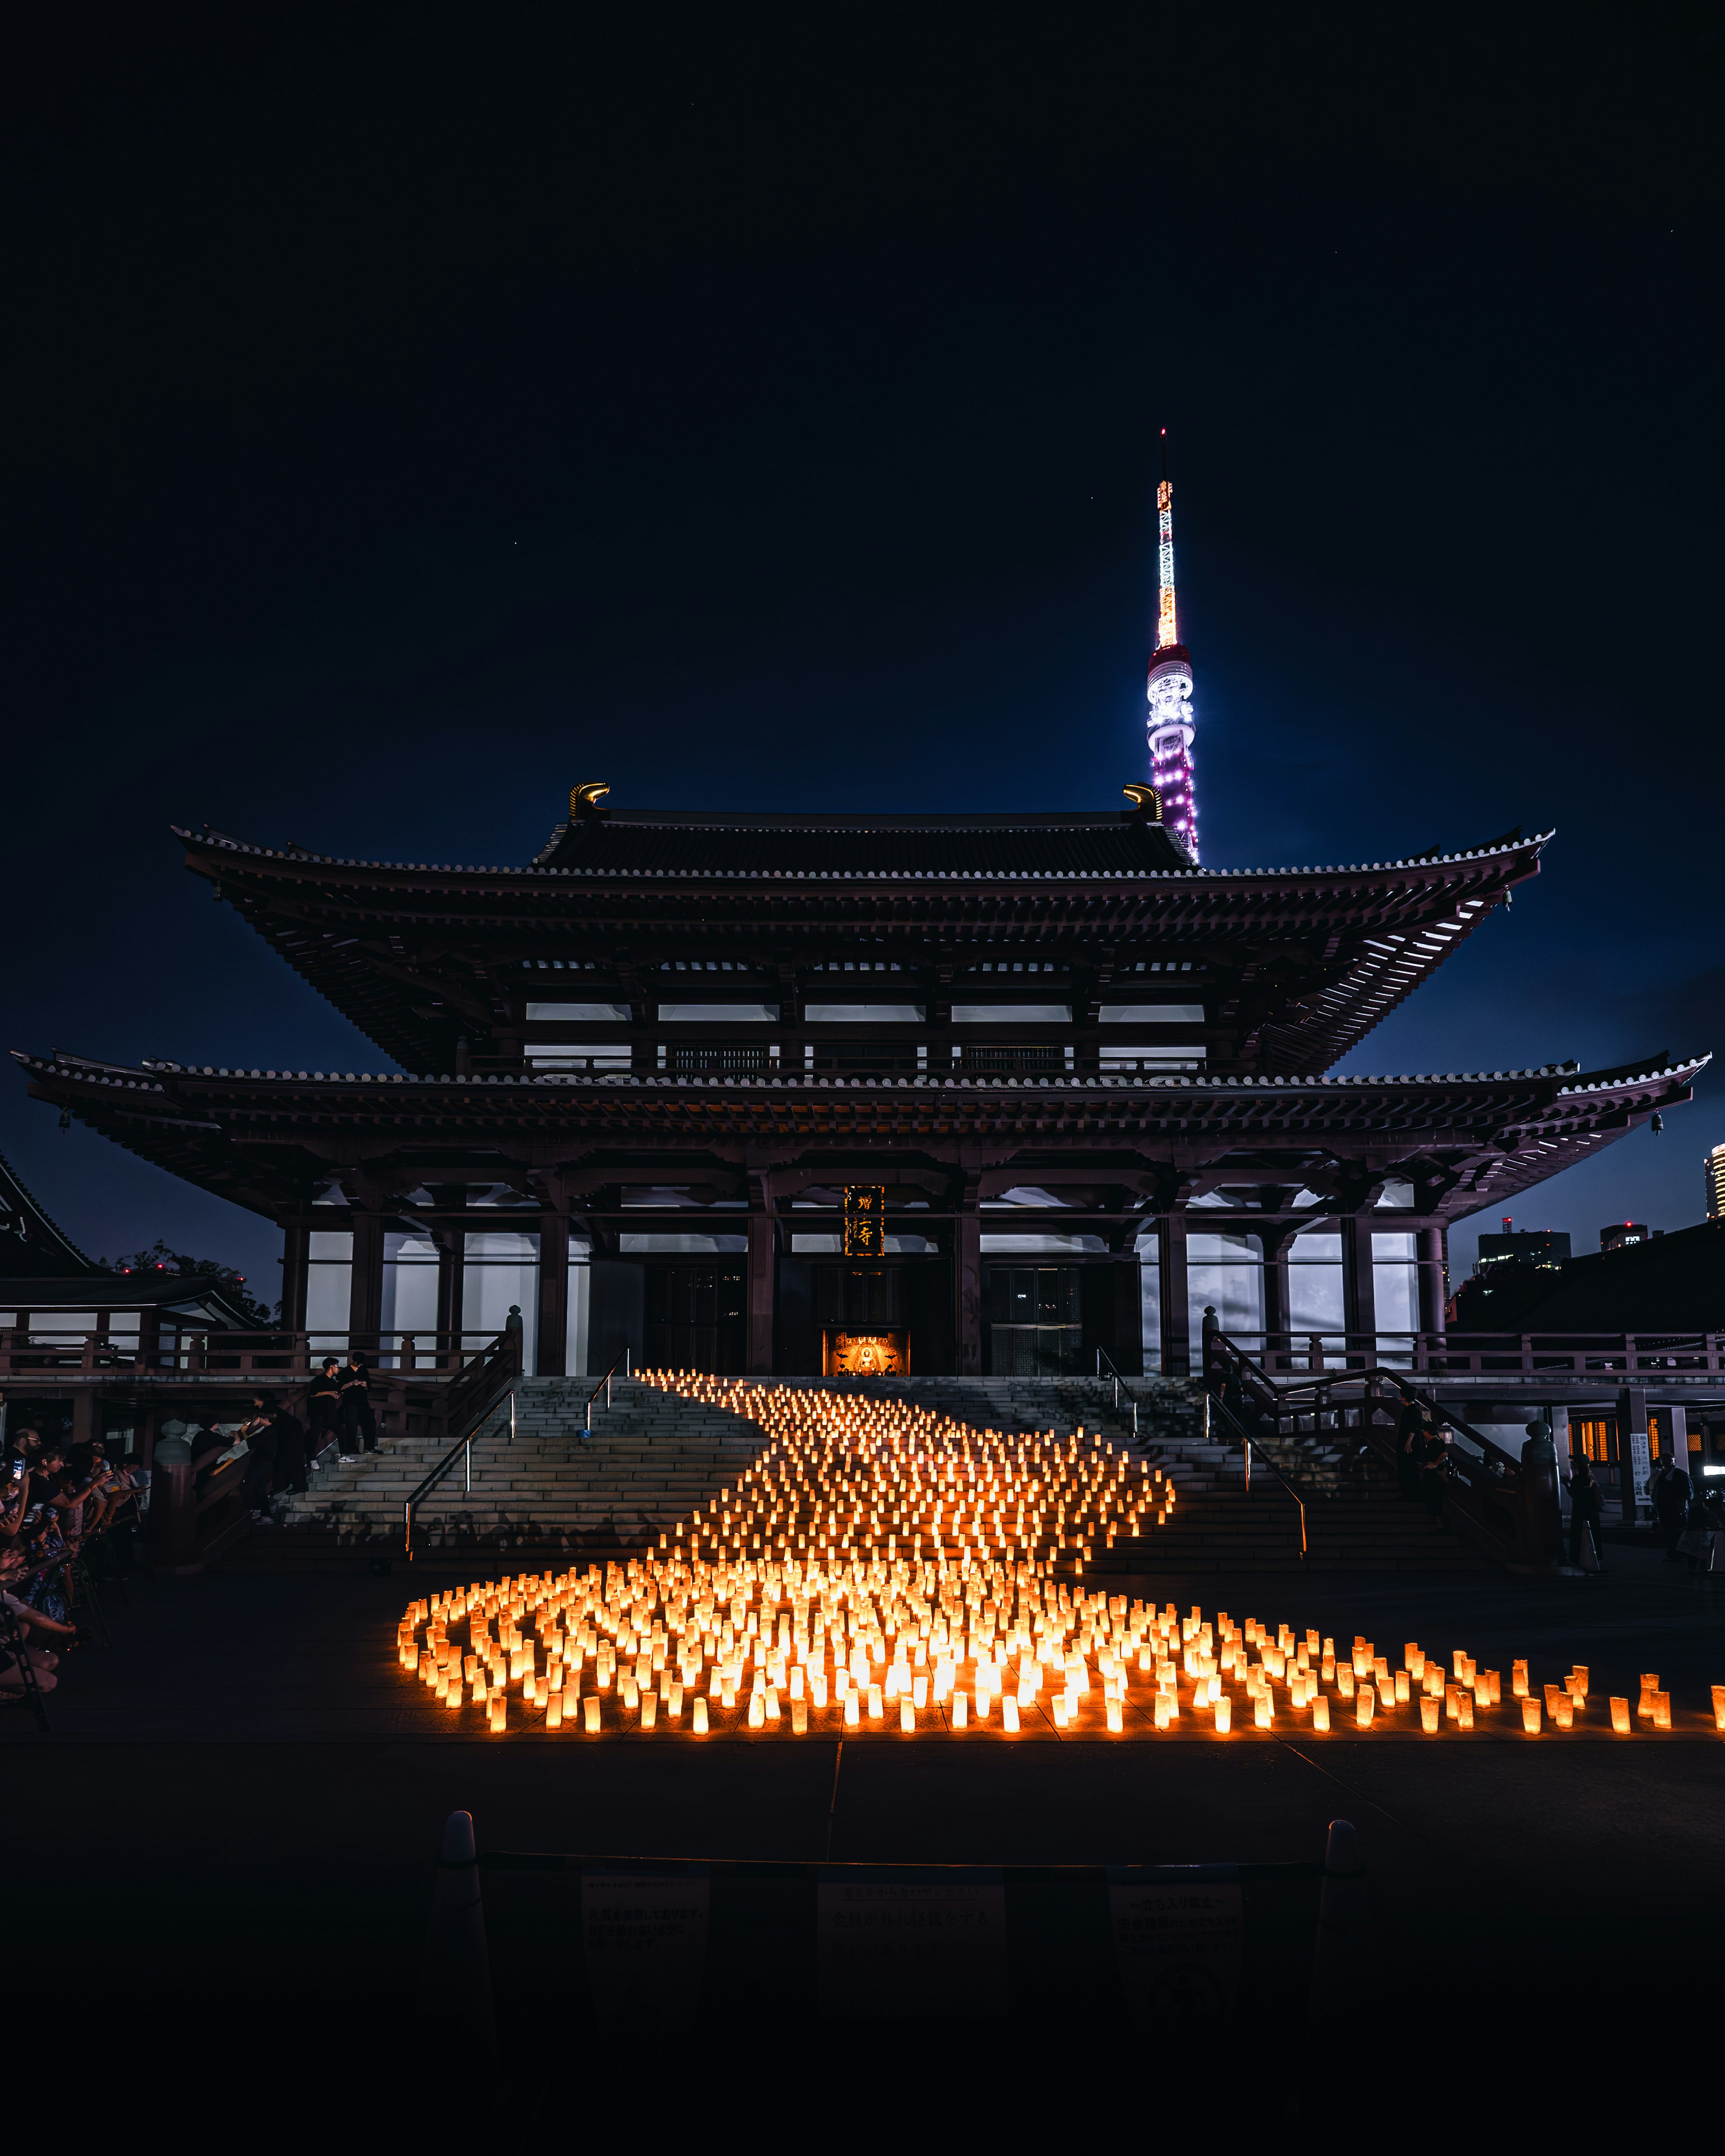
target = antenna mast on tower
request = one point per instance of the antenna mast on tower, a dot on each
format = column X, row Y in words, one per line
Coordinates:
column 1169, row 687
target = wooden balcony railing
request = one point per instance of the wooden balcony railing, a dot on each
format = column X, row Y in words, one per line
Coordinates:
column 1622, row 1355
column 266, row 1353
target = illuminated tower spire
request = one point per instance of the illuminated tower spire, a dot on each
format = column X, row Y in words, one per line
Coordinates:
column 1169, row 688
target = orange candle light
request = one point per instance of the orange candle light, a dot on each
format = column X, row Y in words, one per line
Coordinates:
column 1429, row 1715
column 1530, row 1716
column 1620, row 1717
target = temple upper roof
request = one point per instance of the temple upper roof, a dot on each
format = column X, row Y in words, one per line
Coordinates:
column 659, row 842
column 1293, row 967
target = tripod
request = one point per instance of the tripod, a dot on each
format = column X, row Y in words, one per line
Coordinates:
column 12, row 1638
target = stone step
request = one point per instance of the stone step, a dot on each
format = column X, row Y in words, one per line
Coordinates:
column 652, row 1455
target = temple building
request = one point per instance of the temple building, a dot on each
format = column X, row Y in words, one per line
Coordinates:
column 828, row 1093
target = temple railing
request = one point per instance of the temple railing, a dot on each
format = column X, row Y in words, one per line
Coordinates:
column 266, row 1352
column 420, row 1384
column 1621, row 1355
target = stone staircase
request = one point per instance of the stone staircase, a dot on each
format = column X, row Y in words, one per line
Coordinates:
column 651, row 1457
column 654, row 1456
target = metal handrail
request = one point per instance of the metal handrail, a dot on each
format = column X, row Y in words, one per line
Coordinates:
column 603, row 1386
column 1442, row 1418
column 1120, row 1379
column 1479, row 1487
column 1249, row 1445
column 463, row 1447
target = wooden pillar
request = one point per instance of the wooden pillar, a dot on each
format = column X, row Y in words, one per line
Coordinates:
column 1359, row 1297
column 1277, row 1238
column 763, row 1292
column 1176, row 1336
column 451, row 1290
column 552, row 1354
column 1434, row 1247
column 1127, row 1314
column 1633, row 1461
column 84, row 1414
column 365, row 1298
column 967, row 1291
column 295, row 1275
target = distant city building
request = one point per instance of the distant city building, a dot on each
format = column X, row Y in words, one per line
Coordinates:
column 1716, row 1183
column 1169, row 687
column 1621, row 1234
column 1524, row 1246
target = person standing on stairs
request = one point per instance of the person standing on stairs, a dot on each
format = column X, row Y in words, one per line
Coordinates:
column 1409, row 1447
column 290, row 1433
column 262, row 1445
column 358, row 1420
column 1434, row 1472
column 326, row 1406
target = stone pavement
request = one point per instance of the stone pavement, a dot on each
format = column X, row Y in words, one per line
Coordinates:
column 242, row 1798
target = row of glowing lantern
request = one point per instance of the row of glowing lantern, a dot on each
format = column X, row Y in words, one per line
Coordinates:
column 842, row 1459
column 1206, row 1655
column 492, row 1665
column 870, row 1455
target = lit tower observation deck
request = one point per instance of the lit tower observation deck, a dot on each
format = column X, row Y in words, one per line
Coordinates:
column 1169, row 688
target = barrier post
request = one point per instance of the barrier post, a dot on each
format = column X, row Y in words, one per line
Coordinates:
column 455, row 1968
column 1344, row 1977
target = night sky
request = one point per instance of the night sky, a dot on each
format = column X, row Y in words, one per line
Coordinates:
column 415, row 410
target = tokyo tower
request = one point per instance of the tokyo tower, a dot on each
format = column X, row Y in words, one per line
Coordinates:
column 1169, row 688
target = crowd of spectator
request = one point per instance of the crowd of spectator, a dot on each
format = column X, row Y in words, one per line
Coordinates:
column 58, row 1503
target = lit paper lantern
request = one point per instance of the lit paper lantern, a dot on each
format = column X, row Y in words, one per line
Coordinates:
column 1429, row 1716
column 1530, row 1716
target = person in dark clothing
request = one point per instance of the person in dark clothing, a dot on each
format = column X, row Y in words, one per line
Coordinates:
column 1433, row 1473
column 288, row 1460
column 262, row 1445
column 325, row 1405
column 358, row 1420
column 1586, row 1503
column 1409, row 1447
column 1671, row 1507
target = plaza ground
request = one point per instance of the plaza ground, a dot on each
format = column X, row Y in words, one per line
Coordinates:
column 237, row 1813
